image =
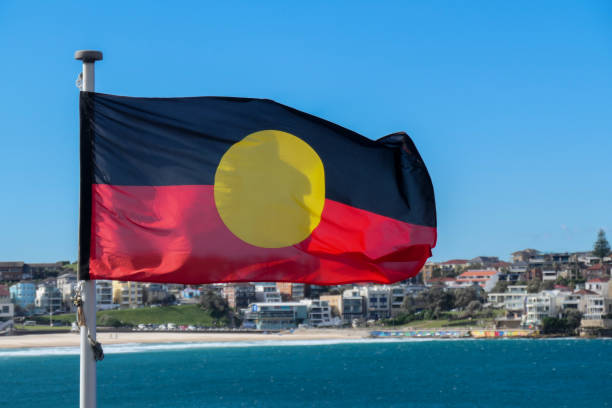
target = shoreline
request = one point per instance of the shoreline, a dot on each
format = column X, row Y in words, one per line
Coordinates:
column 50, row 340
column 108, row 338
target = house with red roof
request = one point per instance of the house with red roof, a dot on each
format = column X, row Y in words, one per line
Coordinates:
column 6, row 307
column 598, row 285
column 445, row 281
column 486, row 279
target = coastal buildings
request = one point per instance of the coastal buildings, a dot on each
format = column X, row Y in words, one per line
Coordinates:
column 601, row 286
column 334, row 302
column 266, row 292
column 104, row 295
column 397, row 295
column 291, row 291
column 5, row 294
column 189, row 296
column 352, row 305
column 7, row 309
column 44, row 270
column 154, row 293
column 454, row 265
column 377, row 301
column 67, row 283
column 539, row 306
column 23, row 294
column 513, row 300
column 486, row 279
column 275, row 316
column 428, row 270
column 319, row 312
column 18, row 270
column 239, row 295
column 48, row 299
column 484, row 261
column 596, row 307
column 11, row 271
column 127, row 294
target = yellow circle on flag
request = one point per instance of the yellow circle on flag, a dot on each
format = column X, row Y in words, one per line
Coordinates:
column 270, row 189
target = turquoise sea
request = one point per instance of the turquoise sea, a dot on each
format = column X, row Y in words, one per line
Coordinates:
column 371, row 373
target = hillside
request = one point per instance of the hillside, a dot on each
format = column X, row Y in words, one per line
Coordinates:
column 181, row 315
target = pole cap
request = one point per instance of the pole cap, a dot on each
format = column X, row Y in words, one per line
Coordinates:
column 88, row 55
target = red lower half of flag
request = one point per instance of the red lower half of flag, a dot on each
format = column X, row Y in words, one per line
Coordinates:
column 175, row 234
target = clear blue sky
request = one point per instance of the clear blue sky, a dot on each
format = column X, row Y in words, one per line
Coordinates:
column 510, row 103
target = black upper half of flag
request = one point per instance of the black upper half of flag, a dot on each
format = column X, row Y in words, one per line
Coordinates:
column 180, row 141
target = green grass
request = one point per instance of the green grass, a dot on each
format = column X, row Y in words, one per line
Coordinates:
column 480, row 320
column 41, row 328
column 181, row 315
column 434, row 324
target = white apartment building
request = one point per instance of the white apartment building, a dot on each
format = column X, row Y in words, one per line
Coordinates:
column 549, row 275
column 104, row 295
column 48, row 299
column 595, row 307
column 275, row 316
column 513, row 300
column 541, row 305
column 267, row 293
column 598, row 285
column 65, row 279
column 571, row 301
column 319, row 312
column 378, row 301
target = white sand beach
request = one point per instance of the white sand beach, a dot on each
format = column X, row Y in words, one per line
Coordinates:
column 72, row 339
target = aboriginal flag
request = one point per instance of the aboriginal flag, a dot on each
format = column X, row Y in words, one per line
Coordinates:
column 216, row 189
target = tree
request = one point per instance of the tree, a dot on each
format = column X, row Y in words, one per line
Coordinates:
column 409, row 305
column 109, row 321
column 573, row 317
column 534, row 286
column 500, row 287
column 19, row 311
column 554, row 325
column 464, row 296
column 216, row 305
column 601, row 248
column 437, row 299
column 436, row 272
column 168, row 300
column 547, row 285
column 473, row 307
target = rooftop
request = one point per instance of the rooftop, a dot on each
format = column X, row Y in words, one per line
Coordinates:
column 476, row 273
column 17, row 263
column 444, row 279
column 585, row 292
column 455, row 262
column 598, row 280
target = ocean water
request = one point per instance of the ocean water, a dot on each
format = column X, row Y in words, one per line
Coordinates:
column 369, row 373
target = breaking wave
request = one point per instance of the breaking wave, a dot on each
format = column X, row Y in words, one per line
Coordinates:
column 152, row 347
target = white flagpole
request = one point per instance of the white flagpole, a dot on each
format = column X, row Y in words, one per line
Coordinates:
column 88, row 396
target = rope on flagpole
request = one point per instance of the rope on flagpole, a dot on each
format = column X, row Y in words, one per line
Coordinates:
column 96, row 347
